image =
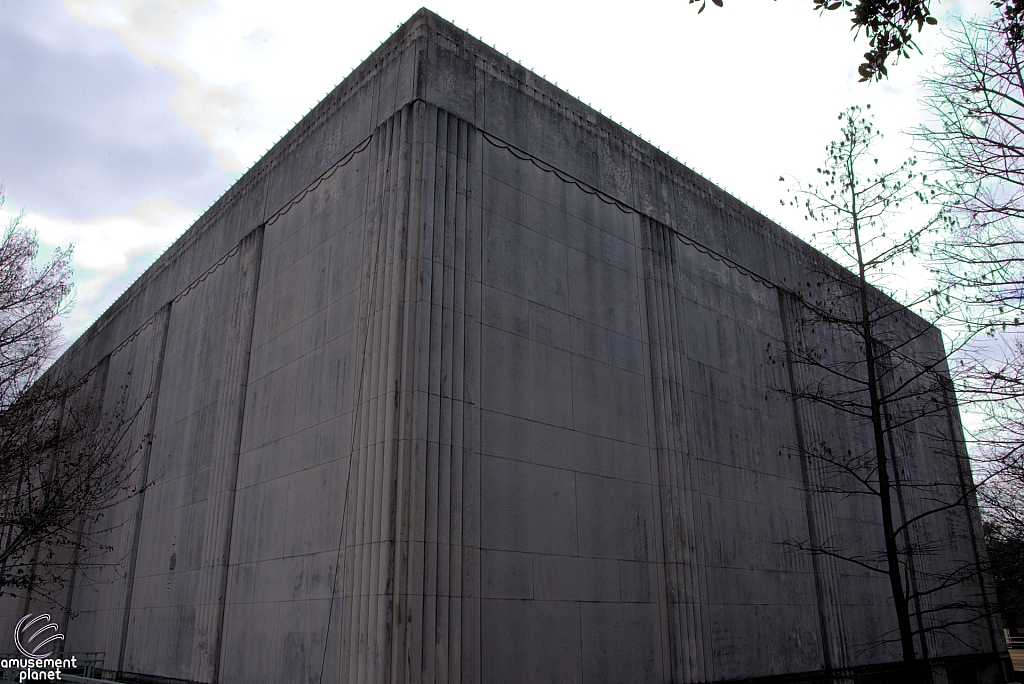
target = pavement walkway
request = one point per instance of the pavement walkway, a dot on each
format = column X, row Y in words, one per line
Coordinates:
column 1017, row 656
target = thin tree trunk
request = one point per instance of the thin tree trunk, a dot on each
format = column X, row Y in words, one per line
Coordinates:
column 899, row 598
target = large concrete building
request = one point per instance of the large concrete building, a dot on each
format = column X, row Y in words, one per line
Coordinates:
column 463, row 382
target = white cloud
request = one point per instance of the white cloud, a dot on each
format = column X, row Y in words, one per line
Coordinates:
column 153, row 30
column 86, row 125
column 110, row 251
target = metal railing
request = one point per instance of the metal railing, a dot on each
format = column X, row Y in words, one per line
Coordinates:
column 1015, row 642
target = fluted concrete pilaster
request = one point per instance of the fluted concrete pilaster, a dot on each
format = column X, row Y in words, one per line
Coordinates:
column 407, row 582
column 679, row 488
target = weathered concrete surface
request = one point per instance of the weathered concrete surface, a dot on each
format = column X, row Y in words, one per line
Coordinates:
column 464, row 382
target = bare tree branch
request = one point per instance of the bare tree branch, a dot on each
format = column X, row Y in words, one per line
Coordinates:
column 853, row 350
column 64, row 460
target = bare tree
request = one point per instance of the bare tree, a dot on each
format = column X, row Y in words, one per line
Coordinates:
column 999, row 450
column 999, row 444
column 977, row 101
column 63, row 461
column 853, row 350
column 1006, row 550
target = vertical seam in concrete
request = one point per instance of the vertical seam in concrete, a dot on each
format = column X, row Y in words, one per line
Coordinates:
column 133, row 549
column 401, row 481
column 456, row 400
column 411, row 596
column 663, row 467
column 372, row 487
column 458, row 383
column 439, row 232
column 349, row 660
column 374, row 585
column 654, row 474
column 695, row 569
column 579, row 617
column 453, row 671
column 812, row 528
column 678, row 458
column 572, row 375
column 378, row 481
column 955, row 434
column 360, row 422
column 238, row 428
column 672, row 632
column 378, row 487
column 474, row 609
column 428, row 225
column 911, row 565
column 103, row 367
column 441, row 634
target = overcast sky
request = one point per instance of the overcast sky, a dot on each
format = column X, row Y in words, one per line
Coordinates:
column 122, row 120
